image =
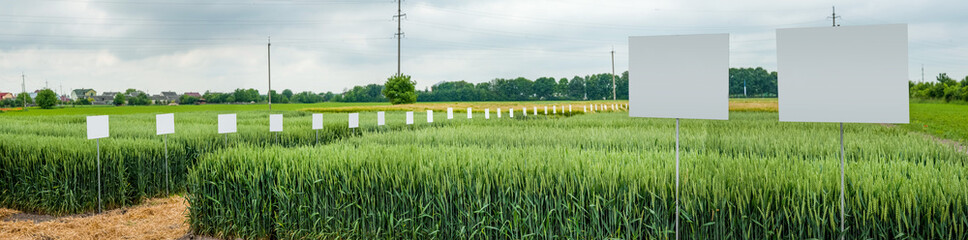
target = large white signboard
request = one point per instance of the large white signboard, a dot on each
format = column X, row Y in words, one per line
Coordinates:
column 226, row 123
column 409, row 118
column 683, row 76
column 380, row 121
column 275, row 123
column 354, row 120
column 97, row 127
column 317, row 121
column 843, row 74
column 164, row 123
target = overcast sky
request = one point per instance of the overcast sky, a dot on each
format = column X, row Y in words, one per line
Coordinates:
column 330, row 45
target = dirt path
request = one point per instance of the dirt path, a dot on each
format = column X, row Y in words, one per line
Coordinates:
column 163, row 218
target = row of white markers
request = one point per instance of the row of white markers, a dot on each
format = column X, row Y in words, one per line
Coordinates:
column 97, row 126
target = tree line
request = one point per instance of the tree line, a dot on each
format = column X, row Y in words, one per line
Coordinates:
column 946, row 88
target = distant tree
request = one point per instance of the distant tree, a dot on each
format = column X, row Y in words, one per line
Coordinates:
column 186, row 99
column 119, row 99
column 139, row 100
column 278, row 98
column 46, row 99
column 544, row 88
column 129, row 91
column 399, row 89
column 944, row 79
column 83, row 101
column 287, row 93
column 561, row 89
column 22, row 96
column 576, row 88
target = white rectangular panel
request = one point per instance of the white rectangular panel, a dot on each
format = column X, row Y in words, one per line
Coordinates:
column 226, row 123
column 275, row 123
column 430, row 116
column 98, row 127
column 354, row 120
column 380, row 121
column 450, row 113
column 409, row 118
column 487, row 113
column 469, row 112
column 165, row 123
column 317, row 121
column 682, row 76
column 843, row 74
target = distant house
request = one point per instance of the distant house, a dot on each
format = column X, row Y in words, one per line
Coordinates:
column 77, row 94
column 170, row 95
column 6, row 95
column 194, row 94
column 65, row 98
column 106, row 98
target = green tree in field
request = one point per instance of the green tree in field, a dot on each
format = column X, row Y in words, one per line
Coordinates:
column 119, row 99
column 544, row 88
column 20, row 99
column 46, row 99
column 185, row 99
column 141, row 99
column 399, row 89
column 287, row 93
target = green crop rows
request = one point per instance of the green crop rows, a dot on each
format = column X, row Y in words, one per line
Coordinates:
column 588, row 176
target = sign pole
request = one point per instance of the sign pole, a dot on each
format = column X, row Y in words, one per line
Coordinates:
column 167, row 169
column 677, row 178
column 842, row 192
column 317, row 136
column 98, row 141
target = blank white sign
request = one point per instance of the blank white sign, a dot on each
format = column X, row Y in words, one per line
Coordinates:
column 511, row 113
column 684, row 76
column 430, row 116
column 97, row 127
column 164, row 123
column 317, row 121
column 586, row 108
column 226, row 123
column 535, row 110
column 498, row 112
column 554, row 109
column 524, row 110
column 569, row 108
column 409, row 118
column 379, row 119
column 275, row 123
column 354, row 120
column 843, row 74
column 469, row 113
column 546, row 110
column 450, row 113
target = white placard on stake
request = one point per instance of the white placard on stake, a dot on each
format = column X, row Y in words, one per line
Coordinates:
column 844, row 74
column 226, row 123
column 524, row 110
column 164, row 124
column 275, row 123
column 498, row 112
column 354, row 120
column 554, row 109
column 469, row 112
column 410, row 118
column 682, row 76
column 569, row 108
column 430, row 116
column 487, row 113
column 317, row 121
column 380, row 121
column 450, row 113
column 534, row 110
column 586, row 108
column 546, row 110
column 511, row 112
column 97, row 127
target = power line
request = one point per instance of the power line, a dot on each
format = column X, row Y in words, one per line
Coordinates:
column 833, row 16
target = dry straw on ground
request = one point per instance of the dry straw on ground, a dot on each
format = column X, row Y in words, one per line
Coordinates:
column 155, row 219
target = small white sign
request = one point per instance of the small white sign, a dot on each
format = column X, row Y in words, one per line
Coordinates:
column 586, row 108
column 498, row 112
column 487, row 113
column 409, row 118
column 525, row 111
column 546, row 110
column 354, row 120
column 511, row 111
column 97, row 127
column 569, row 108
column 164, row 123
column 450, row 113
column 275, row 123
column 469, row 113
column 226, row 123
column 535, row 110
column 430, row 116
column 379, row 119
column 317, row 121
column 554, row 109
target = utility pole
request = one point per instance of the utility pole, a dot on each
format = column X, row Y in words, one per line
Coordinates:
column 613, row 73
column 269, row 65
column 834, row 17
column 922, row 72
column 399, row 33
column 23, row 86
